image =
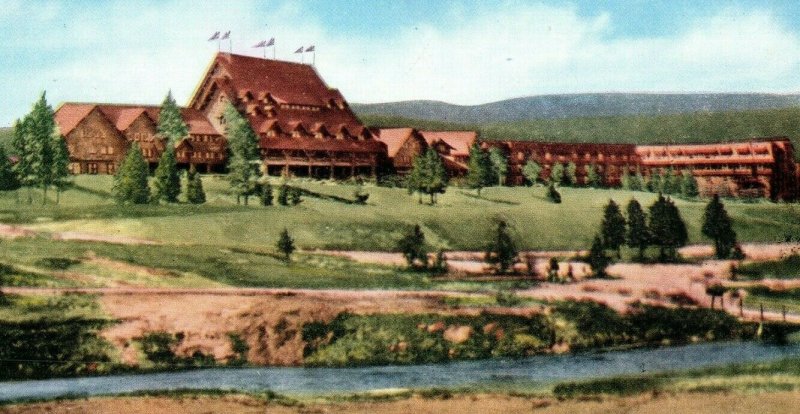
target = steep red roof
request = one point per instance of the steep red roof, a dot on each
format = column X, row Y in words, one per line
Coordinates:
column 70, row 114
column 460, row 141
column 394, row 138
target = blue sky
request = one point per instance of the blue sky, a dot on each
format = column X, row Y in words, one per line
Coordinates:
column 464, row 52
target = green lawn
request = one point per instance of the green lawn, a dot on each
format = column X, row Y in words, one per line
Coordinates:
column 459, row 221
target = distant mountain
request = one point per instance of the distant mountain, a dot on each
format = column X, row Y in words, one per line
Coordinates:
column 578, row 106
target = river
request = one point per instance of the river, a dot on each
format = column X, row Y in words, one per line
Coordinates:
column 538, row 369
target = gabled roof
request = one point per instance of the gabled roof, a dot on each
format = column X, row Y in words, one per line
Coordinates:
column 70, row 114
column 394, row 138
column 460, row 141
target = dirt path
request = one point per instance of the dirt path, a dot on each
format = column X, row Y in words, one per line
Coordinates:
column 689, row 403
column 13, row 232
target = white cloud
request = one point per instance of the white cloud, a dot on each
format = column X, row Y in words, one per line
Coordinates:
column 123, row 52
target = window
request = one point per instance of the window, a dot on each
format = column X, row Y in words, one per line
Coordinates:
column 111, row 150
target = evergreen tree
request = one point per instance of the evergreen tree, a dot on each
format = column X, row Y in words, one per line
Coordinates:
column 638, row 236
column 294, row 196
column 412, row 246
column 668, row 185
column 557, row 173
column 194, row 187
column 499, row 164
column 717, row 226
column 60, row 168
column 167, row 178
column 481, row 172
column 553, row 195
column 502, row 253
column 593, row 178
column 572, row 174
column 243, row 146
column 33, row 143
column 283, row 195
column 285, row 244
column 130, row 182
column 654, row 182
column 532, row 172
column 667, row 229
column 626, row 180
column 612, row 227
column 8, row 179
column 552, row 270
column 171, row 126
column 266, row 194
column 689, row 187
column 428, row 175
column 20, row 145
column 637, row 181
column 598, row 260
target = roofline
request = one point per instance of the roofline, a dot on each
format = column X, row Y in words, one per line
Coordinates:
column 655, row 144
column 202, row 79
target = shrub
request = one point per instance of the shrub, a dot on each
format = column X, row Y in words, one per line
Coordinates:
column 553, row 195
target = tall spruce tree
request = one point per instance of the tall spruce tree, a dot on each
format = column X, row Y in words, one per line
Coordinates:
column 33, row 143
column 638, row 235
column 668, row 182
column 194, row 187
column 572, row 174
column 60, row 168
column 130, row 182
column 243, row 145
column 612, row 227
column 532, row 172
column 285, row 244
column 167, row 178
column 21, row 147
column 480, row 172
column 428, row 175
column 626, row 180
column 171, row 125
column 637, row 181
column 667, row 228
column 557, row 173
column 717, row 226
column 412, row 246
column 593, row 178
column 689, row 187
column 502, row 252
column 499, row 164
column 598, row 260
column 8, row 179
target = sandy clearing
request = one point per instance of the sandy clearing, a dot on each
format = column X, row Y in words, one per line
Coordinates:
column 13, row 232
column 686, row 403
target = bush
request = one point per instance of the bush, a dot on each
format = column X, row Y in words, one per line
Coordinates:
column 553, row 195
column 620, row 386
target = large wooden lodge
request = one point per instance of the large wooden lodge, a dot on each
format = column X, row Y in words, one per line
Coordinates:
column 307, row 129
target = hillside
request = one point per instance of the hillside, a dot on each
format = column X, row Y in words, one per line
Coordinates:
column 578, row 105
column 642, row 129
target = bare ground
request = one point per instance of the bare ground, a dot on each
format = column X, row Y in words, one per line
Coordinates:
column 688, row 403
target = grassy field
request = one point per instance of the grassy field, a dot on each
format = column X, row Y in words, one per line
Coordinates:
column 459, row 221
column 673, row 128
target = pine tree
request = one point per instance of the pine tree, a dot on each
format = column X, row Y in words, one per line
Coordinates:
column 532, row 172
column 171, row 126
column 60, row 168
column 553, row 195
column 593, row 178
column 612, row 227
column 654, row 182
column 638, row 236
column 130, row 182
column 571, row 174
column 33, row 143
column 412, row 246
column 668, row 181
column 283, row 195
column 243, row 145
column 167, row 177
column 194, row 187
column 295, row 196
column 480, row 172
column 689, row 187
column 499, row 164
column 502, row 253
column 552, row 270
column 19, row 144
column 266, row 194
column 8, row 179
column 285, row 244
column 557, row 174
column 428, row 175
column 637, row 181
column 717, row 226
column 667, row 229
column 626, row 180
column 598, row 260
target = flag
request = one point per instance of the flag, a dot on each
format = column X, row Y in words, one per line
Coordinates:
column 310, row 48
column 215, row 36
column 300, row 50
column 226, row 35
column 271, row 42
column 262, row 43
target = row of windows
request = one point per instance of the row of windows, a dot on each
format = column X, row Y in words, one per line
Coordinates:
column 103, row 150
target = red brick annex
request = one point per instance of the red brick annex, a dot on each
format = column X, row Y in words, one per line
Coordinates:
column 307, row 129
